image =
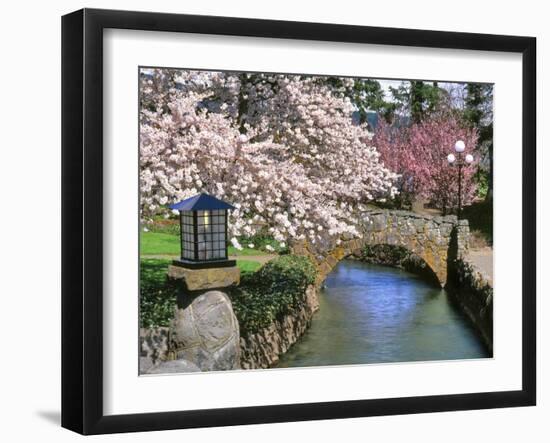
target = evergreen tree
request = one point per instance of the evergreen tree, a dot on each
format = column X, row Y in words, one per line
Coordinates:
column 478, row 114
column 369, row 96
column 366, row 94
column 416, row 99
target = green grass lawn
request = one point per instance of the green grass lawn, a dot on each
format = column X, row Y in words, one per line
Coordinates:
column 159, row 243
column 248, row 266
column 155, row 269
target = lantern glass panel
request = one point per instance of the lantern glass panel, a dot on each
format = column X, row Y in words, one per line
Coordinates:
column 211, row 238
column 187, row 235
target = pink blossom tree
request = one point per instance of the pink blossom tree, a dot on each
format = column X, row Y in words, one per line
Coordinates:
column 419, row 154
column 282, row 149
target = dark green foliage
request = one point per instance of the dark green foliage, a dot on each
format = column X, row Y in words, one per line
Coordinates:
column 369, row 96
column 478, row 108
column 418, row 99
column 478, row 113
column 157, row 294
column 366, row 94
column 480, row 218
column 262, row 297
column 271, row 292
column 482, row 179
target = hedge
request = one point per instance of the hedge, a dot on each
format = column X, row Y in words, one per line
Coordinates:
column 157, row 294
column 271, row 292
column 262, row 296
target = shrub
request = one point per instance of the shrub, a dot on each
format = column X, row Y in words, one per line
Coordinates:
column 271, row 292
column 263, row 296
column 164, row 225
column 480, row 217
column 157, row 294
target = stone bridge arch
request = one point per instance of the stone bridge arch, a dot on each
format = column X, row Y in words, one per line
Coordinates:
column 434, row 239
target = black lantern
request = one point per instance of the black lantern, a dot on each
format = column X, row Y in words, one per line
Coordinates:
column 203, row 232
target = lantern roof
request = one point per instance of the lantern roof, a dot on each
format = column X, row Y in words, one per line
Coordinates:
column 201, row 202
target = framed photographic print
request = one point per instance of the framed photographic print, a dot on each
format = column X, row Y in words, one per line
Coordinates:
column 269, row 221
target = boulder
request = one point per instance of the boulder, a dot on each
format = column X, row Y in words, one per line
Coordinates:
column 206, row 333
column 145, row 363
column 154, row 346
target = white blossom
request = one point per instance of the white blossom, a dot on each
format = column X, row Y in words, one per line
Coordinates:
column 236, row 244
column 301, row 170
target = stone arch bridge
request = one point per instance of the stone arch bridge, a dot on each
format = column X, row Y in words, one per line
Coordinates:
column 434, row 239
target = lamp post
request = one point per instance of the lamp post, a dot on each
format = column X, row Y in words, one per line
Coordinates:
column 204, row 262
column 461, row 161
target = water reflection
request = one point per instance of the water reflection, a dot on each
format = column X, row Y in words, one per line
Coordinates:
column 375, row 314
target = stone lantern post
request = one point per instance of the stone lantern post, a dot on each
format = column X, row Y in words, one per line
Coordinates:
column 204, row 334
column 203, row 262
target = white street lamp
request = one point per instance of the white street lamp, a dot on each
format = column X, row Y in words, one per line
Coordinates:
column 460, row 163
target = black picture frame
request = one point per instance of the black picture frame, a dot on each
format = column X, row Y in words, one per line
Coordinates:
column 82, row 218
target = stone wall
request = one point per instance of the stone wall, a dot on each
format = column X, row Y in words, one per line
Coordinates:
column 428, row 237
column 191, row 344
column 397, row 257
column 462, row 238
column 262, row 349
column 474, row 293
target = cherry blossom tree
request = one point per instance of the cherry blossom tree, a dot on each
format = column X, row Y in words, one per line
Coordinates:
column 282, row 149
column 419, row 154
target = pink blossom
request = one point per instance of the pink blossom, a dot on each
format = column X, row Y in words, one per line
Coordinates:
column 419, row 153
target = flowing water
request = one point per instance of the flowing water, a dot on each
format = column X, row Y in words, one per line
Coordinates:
column 374, row 314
